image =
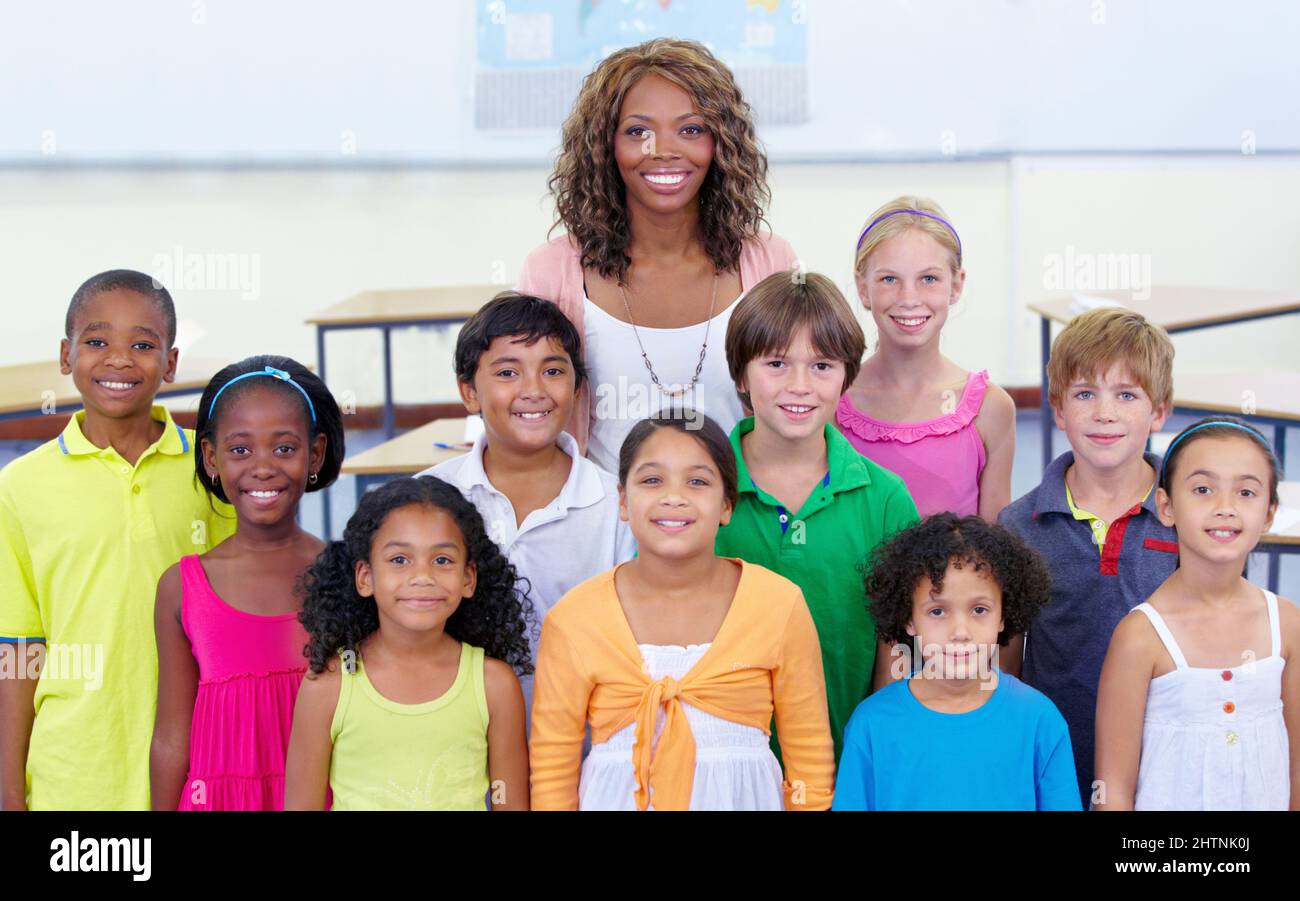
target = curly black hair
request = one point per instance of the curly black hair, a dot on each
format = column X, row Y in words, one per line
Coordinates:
column 927, row 548
column 497, row 617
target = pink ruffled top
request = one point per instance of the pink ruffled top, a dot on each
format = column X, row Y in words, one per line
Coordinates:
column 941, row 460
column 250, row 668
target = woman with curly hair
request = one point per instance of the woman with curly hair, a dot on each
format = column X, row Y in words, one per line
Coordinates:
column 660, row 185
column 411, row 702
column 957, row 734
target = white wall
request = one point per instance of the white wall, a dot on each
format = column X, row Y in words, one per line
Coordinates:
column 316, row 237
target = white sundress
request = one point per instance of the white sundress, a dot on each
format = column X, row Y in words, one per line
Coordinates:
column 735, row 768
column 1215, row 739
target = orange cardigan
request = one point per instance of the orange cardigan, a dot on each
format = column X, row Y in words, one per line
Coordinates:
column 765, row 655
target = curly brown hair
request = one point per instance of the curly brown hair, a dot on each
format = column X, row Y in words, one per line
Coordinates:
column 590, row 197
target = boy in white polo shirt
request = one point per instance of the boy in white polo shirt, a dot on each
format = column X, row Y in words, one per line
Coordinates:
column 553, row 512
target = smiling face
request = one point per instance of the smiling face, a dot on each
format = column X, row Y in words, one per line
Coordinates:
column 263, row 453
column 908, row 285
column 674, row 499
column 1218, row 498
column 662, row 147
column 524, row 393
column 118, row 355
column 794, row 392
column 1108, row 418
column 418, row 571
column 959, row 626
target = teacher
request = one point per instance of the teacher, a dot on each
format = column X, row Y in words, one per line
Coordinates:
column 660, row 185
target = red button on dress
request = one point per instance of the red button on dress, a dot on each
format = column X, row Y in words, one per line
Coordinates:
column 1227, row 675
column 1229, row 707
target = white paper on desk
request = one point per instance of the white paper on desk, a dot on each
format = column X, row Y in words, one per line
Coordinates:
column 473, row 428
column 1082, row 303
column 1285, row 520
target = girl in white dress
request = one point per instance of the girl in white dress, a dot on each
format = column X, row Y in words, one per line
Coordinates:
column 1201, row 685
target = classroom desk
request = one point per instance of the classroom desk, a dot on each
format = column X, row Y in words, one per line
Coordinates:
column 1286, row 541
column 1272, row 397
column 406, row 454
column 388, row 310
column 1174, row 308
column 27, row 388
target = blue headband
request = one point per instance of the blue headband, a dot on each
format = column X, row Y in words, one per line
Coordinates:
column 274, row 373
column 1205, row 425
column 913, row 213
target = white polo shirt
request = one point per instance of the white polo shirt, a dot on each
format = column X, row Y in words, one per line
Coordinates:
column 574, row 537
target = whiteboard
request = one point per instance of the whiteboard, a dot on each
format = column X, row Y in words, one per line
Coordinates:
column 342, row 83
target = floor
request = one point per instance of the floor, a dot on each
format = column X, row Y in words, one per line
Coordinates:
column 1025, row 474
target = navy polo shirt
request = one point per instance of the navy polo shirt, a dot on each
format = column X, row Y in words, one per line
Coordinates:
column 1091, row 593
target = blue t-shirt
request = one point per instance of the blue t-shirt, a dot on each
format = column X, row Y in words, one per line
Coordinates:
column 1011, row 753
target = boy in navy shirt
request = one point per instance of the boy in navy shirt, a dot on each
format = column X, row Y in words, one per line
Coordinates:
column 1093, row 517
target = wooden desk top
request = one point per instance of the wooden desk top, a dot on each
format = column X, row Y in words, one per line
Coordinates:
column 1270, row 393
column 451, row 304
column 410, row 452
column 23, row 387
column 1176, row 308
column 1288, row 496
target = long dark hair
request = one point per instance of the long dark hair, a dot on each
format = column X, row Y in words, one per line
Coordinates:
column 497, row 618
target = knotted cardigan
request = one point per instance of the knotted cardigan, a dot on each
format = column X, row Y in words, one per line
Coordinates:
column 765, row 656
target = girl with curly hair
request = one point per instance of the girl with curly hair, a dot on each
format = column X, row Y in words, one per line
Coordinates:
column 415, row 623
column 958, row 734
column 660, row 185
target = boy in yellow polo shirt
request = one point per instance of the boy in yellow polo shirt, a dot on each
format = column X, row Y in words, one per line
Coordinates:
column 88, row 522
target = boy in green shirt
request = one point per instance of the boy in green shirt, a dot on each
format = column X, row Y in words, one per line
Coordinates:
column 88, row 522
column 811, row 507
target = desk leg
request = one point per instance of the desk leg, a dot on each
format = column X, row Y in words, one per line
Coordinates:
column 390, row 426
column 1044, row 405
column 366, row 482
column 325, row 522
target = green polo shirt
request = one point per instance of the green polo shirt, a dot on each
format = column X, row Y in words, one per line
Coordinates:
column 824, row 548
column 84, row 537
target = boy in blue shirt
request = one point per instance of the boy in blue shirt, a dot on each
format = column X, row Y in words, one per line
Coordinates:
column 958, row 734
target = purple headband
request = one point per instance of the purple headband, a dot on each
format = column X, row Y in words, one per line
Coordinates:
column 914, row 213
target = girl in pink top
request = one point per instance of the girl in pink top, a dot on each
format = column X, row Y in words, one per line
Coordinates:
column 231, row 651
column 948, row 432
column 660, row 186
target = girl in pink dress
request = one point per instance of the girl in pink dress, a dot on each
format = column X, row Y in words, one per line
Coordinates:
column 231, row 651
column 948, row 432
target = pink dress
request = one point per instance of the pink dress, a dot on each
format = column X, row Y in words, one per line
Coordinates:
column 941, row 460
column 250, row 668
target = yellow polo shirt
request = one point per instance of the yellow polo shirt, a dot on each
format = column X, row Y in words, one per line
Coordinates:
column 84, row 538
column 1099, row 525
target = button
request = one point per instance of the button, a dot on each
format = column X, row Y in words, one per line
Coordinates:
column 135, row 489
column 1227, row 675
column 1229, row 707
column 126, row 469
column 1232, row 738
column 784, row 518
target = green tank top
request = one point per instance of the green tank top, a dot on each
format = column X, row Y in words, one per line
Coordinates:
column 430, row 756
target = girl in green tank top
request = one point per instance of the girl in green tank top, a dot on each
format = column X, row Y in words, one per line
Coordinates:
column 417, row 632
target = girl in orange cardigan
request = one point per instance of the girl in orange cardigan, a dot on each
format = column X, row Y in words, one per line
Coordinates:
column 678, row 658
